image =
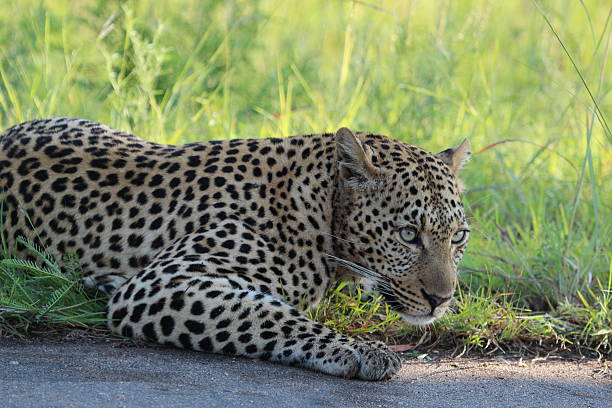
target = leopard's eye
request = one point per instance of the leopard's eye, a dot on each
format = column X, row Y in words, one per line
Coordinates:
column 460, row 237
column 409, row 235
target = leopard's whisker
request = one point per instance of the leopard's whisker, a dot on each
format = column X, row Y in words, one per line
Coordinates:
column 361, row 270
column 385, row 291
column 339, row 238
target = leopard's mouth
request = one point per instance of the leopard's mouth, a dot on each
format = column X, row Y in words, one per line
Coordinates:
column 417, row 320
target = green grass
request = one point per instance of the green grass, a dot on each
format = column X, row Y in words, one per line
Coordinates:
column 528, row 82
column 38, row 294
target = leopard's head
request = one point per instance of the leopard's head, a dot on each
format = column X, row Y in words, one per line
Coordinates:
column 399, row 221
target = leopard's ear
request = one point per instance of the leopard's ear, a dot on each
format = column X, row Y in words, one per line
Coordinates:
column 456, row 157
column 355, row 161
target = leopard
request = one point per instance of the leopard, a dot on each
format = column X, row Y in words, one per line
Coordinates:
column 224, row 246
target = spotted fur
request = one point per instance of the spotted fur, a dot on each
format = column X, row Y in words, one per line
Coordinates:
column 218, row 246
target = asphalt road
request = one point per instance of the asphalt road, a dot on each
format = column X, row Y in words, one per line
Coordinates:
column 102, row 373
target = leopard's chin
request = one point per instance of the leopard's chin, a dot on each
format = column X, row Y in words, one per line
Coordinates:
column 418, row 320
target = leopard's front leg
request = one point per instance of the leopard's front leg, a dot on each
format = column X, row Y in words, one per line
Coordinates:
column 208, row 314
column 194, row 301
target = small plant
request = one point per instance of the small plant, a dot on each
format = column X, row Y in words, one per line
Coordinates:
column 350, row 310
column 492, row 322
column 591, row 322
column 34, row 292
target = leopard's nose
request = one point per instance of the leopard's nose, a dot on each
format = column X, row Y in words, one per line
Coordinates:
column 435, row 301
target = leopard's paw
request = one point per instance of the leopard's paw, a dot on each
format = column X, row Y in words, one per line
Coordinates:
column 372, row 361
column 377, row 361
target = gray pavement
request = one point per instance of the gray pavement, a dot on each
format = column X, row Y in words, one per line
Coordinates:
column 103, row 373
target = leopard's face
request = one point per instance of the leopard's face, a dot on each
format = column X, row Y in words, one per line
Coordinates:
column 403, row 223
